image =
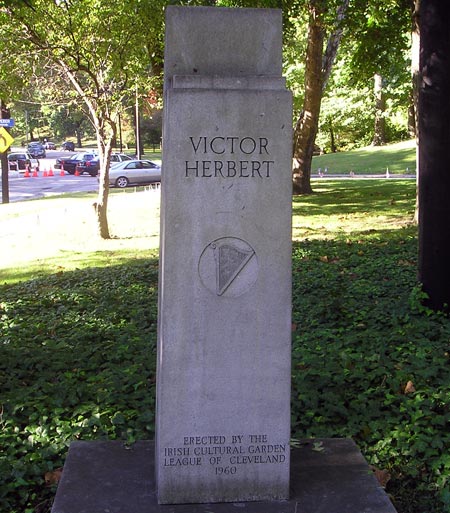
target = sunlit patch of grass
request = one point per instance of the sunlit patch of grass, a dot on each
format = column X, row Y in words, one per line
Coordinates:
column 73, row 261
column 398, row 158
column 52, row 235
column 342, row 207
column 58, row 234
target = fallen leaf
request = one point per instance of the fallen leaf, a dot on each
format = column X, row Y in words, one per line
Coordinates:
column 52, row 478
column 409, row 388
column 407, row 263
column 382, row 476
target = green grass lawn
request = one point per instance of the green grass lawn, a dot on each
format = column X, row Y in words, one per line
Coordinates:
column 398, row 158
column 78, row 322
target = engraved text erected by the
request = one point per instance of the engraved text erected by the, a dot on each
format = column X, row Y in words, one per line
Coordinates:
column 226, row 454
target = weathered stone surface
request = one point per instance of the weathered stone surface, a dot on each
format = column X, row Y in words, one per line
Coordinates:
column 225, row 42
column 101, row 477
column 223, row 390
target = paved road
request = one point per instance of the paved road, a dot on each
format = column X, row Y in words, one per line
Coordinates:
column 21, row 188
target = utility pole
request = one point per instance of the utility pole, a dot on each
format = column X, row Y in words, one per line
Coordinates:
column 4, row 160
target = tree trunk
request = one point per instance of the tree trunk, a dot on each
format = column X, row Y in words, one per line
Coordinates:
column 411, row 117
column 79, row 142
column 105, row 129
column 415, row 73
column 379, row 135
column 101, row 212
column 434, row 130
column 333, row 147
column 415, row 57
column 106, row 134
column 101, row 204
column 308, row 123
column 317, row 72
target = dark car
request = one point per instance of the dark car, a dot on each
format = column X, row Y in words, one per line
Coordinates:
column 92, row 166
column 69, row 164
column 68, row 146
column 36, row 150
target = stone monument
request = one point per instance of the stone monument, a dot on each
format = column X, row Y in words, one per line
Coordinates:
column 223, row 386
column 224, row 341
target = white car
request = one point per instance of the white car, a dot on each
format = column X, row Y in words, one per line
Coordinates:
column 134, row 172
column 119, row 157
column 18, row 161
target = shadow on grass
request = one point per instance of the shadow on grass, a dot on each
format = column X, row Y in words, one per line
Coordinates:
column 78, row 360
column 78, row 354
column 371, row 363
column 341, row 197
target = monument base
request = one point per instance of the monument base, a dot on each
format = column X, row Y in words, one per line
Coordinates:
column 327, row 475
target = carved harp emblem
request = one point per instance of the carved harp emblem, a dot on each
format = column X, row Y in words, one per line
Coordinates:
column 230, row 260
column 228, row 267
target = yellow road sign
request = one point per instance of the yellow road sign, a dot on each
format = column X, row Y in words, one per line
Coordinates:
column 5, row 140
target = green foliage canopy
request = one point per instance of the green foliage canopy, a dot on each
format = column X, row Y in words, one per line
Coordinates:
column 103, row 49
column 106, row 51
column 94, row 53
column 378, row 37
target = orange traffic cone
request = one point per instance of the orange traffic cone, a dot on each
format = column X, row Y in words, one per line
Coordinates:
column 62, row 172
column 77, row 173
column 50, row 173
column 45, row 173
column 35, row 173
column 27, row 172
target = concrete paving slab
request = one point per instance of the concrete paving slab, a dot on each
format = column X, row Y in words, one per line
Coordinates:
column 327, row 476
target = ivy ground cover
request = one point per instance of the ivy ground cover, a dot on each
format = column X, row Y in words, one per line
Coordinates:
column 77, row 352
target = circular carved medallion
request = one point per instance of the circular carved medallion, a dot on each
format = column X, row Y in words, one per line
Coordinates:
column 228, row 267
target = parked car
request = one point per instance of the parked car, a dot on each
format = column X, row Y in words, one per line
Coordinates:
column 70, row 163
column 20, row 161
column 120, row 157
column 48, row 145
column 129, row 172
column 36, row 150
column 68, row 146
column 93, row 166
